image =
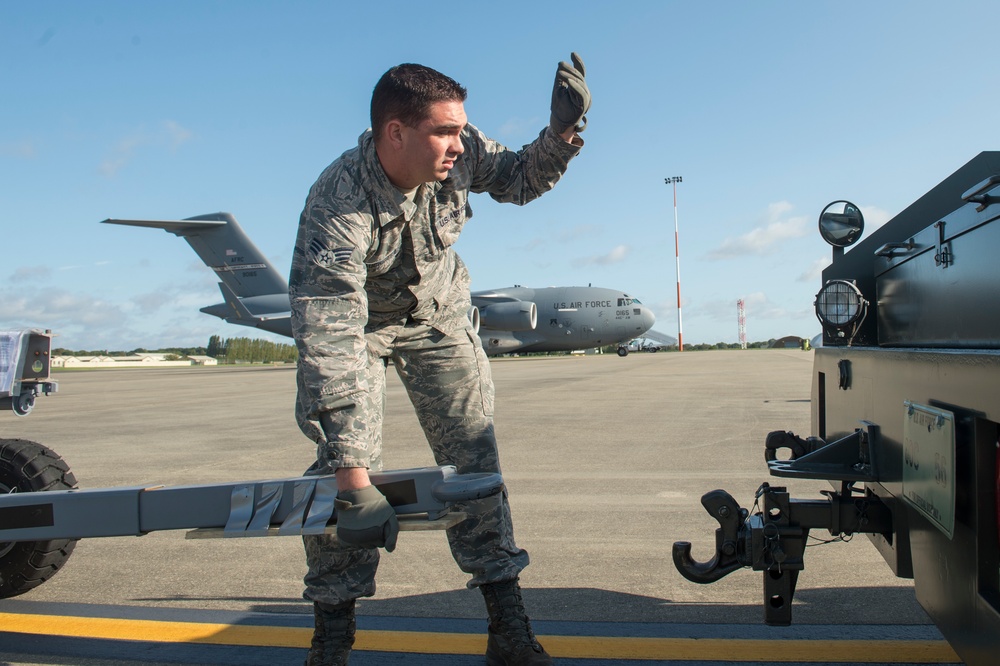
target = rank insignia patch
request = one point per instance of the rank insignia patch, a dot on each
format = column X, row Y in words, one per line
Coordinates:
column 320, row 254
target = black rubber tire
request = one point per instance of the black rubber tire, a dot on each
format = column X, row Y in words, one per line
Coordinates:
column 623, row 351
column 27, row 466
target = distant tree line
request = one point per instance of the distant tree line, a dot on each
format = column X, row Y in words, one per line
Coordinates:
column 702, row 346
column 176, row 351
column 765, row 344
column 247, row 350
column 613, row 349
column 225, row 350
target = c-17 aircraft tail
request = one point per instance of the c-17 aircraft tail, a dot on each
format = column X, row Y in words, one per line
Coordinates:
column 254, row 293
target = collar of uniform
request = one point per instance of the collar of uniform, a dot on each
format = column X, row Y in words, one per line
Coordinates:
column 389, row 201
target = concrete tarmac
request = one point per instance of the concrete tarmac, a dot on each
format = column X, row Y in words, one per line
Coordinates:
column 605, row 459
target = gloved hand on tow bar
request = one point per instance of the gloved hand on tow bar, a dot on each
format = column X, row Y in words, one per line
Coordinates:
column 366, row 519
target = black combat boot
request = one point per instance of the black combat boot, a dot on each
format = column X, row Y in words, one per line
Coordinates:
column 511, row 641
column 334, row 636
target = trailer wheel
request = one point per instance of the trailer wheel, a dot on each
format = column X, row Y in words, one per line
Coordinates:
column 30, row 467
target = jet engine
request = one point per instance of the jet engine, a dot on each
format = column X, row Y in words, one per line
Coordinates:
column 509, row 316
column 474, row 319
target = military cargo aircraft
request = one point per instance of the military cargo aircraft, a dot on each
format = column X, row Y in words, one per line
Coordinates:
column 514, row 319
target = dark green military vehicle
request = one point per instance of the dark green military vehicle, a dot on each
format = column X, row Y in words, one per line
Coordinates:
column 905, row 416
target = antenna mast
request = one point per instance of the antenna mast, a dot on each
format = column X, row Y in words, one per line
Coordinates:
column 741, row 315
column 677, row 256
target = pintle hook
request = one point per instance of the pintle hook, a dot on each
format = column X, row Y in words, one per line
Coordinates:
column 721, row 506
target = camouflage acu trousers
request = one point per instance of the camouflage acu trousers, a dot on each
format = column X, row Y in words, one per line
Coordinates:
column 448, row 380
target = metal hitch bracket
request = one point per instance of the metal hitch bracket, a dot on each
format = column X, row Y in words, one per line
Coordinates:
column 773, row 539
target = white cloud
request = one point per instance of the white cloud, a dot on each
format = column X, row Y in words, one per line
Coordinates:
column 764, row 239
column 177, row 134
column 580, row 231
column 533, row 244
column 761, row 305
column 121, row 154
column 814, row 272
column 151, row 302
column 84, row 322
column 57, row 309
column 516, row 127
column 169, row 134
column 20, row 149
column 874, row 217
column 31, row 274
column 615, row 256
column 73, row 267
column 757, row 305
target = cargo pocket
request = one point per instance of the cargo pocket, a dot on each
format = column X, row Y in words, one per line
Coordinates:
column 332, row 370
column 485, row 375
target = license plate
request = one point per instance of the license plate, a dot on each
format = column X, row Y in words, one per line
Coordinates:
column 929, row 464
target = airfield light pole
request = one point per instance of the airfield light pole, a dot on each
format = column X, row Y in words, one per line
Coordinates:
column 673, row 180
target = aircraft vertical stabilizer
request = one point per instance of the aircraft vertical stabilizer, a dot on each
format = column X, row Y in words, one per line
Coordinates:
column 255, row 293
column 225, row 248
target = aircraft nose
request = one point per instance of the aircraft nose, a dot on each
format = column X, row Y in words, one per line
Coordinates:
column 647, row 318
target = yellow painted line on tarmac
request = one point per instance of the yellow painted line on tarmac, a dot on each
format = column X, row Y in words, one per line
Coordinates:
column 579, row 647
column 154, row 630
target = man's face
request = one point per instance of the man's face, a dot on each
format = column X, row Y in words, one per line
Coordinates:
column 430, row 149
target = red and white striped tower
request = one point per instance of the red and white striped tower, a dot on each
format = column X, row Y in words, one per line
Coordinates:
column 741, row 315
column 677, row 257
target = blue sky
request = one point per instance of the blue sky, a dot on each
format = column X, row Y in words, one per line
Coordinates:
column 767, row 110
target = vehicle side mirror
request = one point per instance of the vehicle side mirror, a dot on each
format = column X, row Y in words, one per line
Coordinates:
column 841, row 224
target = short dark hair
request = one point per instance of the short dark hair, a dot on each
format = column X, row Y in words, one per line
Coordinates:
column 406, row 92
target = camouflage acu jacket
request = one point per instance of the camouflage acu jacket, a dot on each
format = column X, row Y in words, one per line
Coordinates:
column 366, row 260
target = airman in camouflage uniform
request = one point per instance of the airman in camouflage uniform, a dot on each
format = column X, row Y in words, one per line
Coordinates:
column 374, row 277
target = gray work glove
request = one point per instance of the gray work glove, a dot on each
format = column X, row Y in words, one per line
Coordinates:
column 570, row 97
column 365, row 519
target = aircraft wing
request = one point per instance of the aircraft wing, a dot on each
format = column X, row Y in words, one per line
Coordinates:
column 662, row 338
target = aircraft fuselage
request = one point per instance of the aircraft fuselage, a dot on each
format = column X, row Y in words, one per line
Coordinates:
column 569, row 319
column 513, row 319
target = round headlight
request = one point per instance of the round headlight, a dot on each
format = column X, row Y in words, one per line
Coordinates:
column 839, row 304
